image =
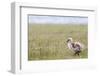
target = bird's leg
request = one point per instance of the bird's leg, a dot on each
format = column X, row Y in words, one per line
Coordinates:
column 78, row 54
column 75, row 53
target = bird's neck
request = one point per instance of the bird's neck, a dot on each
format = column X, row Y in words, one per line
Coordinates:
column 69, row 44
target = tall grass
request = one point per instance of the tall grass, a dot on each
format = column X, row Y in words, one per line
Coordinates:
column 46, row 42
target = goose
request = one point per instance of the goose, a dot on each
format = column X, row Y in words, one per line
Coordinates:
column 74, row 46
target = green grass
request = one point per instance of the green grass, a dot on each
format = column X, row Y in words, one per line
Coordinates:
column 48, row 42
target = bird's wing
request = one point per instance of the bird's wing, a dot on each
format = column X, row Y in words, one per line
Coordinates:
column 80, row 44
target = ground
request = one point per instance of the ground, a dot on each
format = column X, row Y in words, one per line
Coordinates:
column 48, row 41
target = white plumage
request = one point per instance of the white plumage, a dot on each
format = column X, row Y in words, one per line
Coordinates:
column 74, row 46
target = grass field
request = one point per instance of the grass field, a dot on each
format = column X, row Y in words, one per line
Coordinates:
column 48, row 41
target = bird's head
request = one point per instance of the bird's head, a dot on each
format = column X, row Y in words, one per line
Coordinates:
column 69, row 40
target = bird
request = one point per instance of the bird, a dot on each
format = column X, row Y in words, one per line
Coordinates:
column 74, row 46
